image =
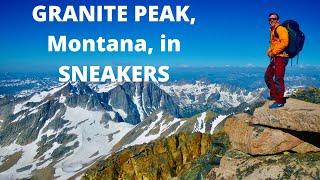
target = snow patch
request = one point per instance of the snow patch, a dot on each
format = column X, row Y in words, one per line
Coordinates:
column 30, row 111
column 112, row 114
column 137, row 100
column 145, row 137
column 92, row 137
column 62, row 99
column 121, row 112
column 28, row 153
column 217, row 121
column 102, row 139
column 200, row 125
column 175, row 120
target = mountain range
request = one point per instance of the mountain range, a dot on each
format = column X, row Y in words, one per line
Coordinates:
column 70, row 126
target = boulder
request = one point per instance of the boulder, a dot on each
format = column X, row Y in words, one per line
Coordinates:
column 261, row 140
column 295, row 115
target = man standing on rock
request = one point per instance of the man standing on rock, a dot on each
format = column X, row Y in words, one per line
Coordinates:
column 274, row 75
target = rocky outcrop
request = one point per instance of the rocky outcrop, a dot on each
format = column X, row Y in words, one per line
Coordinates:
column 273, row 144
column 274, row 131
column 295, row 115
column 258, row 140
column 184, row 156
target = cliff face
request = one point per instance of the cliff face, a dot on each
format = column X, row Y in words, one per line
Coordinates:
column 181, row 156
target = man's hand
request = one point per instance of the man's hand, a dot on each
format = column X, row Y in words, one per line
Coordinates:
column 269, row 54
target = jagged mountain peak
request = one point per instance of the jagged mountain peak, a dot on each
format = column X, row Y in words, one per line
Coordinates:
column 131, row 102
column 78, row 88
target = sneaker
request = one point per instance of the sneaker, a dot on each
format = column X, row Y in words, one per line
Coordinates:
column 276, row 105
column 270, row 98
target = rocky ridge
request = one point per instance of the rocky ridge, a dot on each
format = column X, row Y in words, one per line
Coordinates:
column 180, row 155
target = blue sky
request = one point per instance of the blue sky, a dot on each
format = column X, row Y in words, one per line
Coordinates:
column 229, row 32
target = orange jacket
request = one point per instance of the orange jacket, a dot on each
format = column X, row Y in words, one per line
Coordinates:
column 278, row 45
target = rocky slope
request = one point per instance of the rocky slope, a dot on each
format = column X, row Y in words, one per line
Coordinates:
column 276, row 144
column 160, row 125
column 181, row 155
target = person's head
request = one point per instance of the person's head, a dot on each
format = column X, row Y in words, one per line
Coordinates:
column 273, row 19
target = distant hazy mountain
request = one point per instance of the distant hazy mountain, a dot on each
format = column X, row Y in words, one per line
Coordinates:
column 200, row 96
column 247, row 77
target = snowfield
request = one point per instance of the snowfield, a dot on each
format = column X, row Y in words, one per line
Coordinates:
column 200, row 126
column 95, row 139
